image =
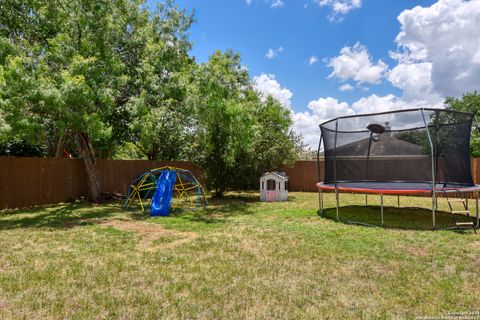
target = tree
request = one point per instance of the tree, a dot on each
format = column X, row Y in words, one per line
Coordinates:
column 71, row 68
column 470, row 102
column 160, row 111
column 224, row 103
column 237, row 134
column 273, row 147
column 74, row 66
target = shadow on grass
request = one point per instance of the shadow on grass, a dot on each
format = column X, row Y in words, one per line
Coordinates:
column 395, row 218
column 58, row 216
column 217, row 211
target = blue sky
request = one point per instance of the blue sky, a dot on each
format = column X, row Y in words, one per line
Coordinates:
column 302, row 32
column 381, row 61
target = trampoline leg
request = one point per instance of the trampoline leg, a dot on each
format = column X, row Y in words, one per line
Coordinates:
column 366, row 200
column 398, row 201
column 320, row 200
column 336, row 200
column 434, row 205
column 381, row 206
column 466, row 200
column 476, row 209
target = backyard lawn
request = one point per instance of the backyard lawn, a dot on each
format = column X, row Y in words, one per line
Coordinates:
column 237, row 259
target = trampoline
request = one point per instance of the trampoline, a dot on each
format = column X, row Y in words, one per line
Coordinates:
column 405, row 152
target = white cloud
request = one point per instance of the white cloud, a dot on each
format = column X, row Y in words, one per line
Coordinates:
column 345, row 87
column 374, row 103
column 267, row 85
column 276, row 4
column 326, row 108
column 339, row 7
column 273, row 53
column 321, row 110
column 415, row 81
column 354, row 63
column 312, row 60
column 443, row 38
column 272, row 3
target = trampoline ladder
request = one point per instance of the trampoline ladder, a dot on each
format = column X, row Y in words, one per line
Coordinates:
column 459, row 199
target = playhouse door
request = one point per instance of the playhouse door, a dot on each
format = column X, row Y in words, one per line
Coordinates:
column 270, row 196
column 271, row 184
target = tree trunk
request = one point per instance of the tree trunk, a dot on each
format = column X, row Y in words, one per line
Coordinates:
column 86, row 150
column 59, row 148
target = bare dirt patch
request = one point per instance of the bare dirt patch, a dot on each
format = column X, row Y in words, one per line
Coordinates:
column 150, row 233
column 475, row 244
column 3, row 303
column 417, row 251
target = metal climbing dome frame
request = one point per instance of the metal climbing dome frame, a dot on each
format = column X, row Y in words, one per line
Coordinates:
column 186, row 186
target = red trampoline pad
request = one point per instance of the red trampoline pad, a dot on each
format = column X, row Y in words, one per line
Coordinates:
column 393, row 188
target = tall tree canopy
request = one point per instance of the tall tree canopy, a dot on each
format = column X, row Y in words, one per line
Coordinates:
column 224, row 103
column 79, row 68
column 160, row 109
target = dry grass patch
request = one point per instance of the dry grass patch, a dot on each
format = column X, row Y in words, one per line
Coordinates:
column 150, row 234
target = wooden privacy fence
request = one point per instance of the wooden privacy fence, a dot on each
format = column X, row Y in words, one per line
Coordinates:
column 26, row 182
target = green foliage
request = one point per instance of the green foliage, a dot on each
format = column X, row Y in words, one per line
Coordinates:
column 68, row 70
column 470, row 102
column 22, row 148
column 128, row 151
column 418, row 137
column 159, row 112
column 108, row 69
column 273, row 147
column 224, row 104
column 238, row 135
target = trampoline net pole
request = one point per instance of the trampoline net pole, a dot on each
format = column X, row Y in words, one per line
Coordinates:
column 368, row 154
column 335, row 167
column 320, row 195
column 434, row 196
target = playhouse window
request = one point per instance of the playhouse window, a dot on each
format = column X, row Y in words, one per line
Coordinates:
column 279, row 186
column 271, row 184
column 263, row 185
column 286, row 185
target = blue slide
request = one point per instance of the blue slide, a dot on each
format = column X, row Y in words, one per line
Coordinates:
column 163, row 195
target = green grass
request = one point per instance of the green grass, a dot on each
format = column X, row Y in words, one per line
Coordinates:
column 237, row 259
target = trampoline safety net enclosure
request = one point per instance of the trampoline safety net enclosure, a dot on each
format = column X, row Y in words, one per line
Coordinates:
column 414, row 151
column 405, row 151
